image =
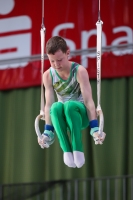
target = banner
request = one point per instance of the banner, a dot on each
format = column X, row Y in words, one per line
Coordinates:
column 20, row 24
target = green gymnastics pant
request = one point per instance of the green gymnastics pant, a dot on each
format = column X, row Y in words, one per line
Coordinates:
column 71, row 117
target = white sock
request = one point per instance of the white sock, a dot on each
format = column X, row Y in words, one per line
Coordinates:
column 68, row 159
column 79, row 158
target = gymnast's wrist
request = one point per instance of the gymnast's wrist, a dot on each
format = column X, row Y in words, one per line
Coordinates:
column 49, row 127
column 94, row 126
column 93, row 123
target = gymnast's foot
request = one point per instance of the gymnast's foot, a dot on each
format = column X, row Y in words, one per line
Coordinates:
column 79, row 158
column 68, row 159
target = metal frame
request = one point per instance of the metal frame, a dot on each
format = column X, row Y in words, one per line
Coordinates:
column 103, row 188
column 77, row 52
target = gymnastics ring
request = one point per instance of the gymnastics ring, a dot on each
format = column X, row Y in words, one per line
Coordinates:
column 37, row 125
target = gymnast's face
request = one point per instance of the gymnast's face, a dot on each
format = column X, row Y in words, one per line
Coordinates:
column 59, row 61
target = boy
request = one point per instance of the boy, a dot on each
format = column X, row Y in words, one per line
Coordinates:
column 75, row 109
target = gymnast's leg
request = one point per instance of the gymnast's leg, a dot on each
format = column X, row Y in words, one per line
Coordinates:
column 77, row 119
column 60, row 126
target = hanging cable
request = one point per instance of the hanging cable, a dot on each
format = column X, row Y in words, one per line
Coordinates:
column 42, row 105
column 99, row 53
column 99, row 17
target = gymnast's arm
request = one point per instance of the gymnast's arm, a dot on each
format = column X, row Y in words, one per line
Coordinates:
column 49, row 95
column 83, row 79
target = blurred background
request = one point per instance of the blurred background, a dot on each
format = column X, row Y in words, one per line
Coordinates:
column 21, row 158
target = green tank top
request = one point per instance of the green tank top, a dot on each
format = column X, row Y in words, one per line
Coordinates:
column 69, row 89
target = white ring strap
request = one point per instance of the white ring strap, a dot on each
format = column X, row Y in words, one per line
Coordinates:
column 42, row 104
column 42, row 31
column 99, row 53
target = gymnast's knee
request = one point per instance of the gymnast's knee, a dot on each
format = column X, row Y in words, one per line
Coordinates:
column 56, row 107
column 69, row 107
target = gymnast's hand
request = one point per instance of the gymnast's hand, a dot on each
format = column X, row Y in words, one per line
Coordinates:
column 43, row 142
column 98, row 138
column 48, row 137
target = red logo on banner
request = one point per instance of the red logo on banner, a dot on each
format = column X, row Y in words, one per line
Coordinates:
column 20, row 24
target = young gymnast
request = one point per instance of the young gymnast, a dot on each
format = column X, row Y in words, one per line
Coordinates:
column 75, row 109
